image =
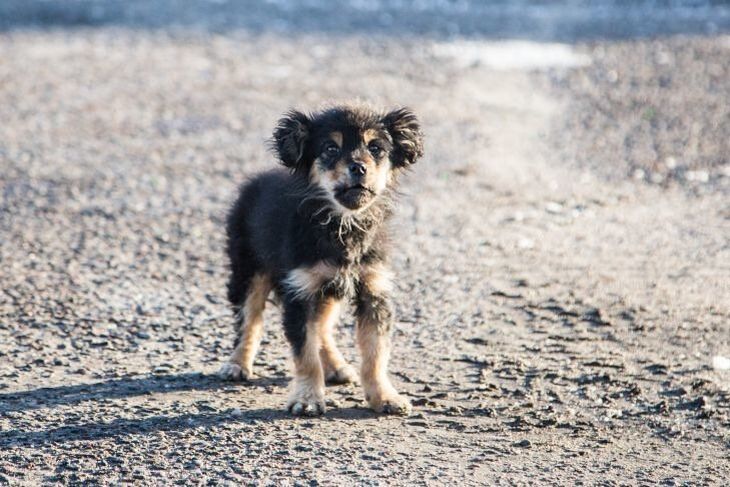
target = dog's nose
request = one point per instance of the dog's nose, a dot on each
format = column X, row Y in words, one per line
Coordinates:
column 358, row 169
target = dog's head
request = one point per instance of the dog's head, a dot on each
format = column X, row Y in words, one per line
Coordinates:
column 351, row 154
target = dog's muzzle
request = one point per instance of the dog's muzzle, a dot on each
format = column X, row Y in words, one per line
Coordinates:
column 355, row 196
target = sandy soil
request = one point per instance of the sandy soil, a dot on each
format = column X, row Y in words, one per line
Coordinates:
column 557, row 314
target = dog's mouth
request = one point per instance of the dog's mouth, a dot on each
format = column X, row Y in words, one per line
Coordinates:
column 356, row 188
column 354, row 196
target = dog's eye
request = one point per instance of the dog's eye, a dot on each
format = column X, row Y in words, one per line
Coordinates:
column 331, row 150
column 375, row 150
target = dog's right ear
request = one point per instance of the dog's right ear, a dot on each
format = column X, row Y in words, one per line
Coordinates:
column 290, row 138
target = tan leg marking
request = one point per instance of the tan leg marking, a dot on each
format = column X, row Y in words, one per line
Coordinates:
column 307, row 389
column 240, row 363
column 373, row 340
column 336, row 369
column 377, row 278
column 379, row 392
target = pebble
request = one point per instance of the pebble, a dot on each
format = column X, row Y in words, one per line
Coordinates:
column 554, row 208
column 720, row 363
column 697, row 176
column 525, row 243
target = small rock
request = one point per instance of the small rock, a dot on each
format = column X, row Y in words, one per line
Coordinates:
column 523, row 444
column 422, row 401
column 695, row 405
column 720, row 363
column 698, row 176
column 656, row 369
column 525, row 243
column 595, row 317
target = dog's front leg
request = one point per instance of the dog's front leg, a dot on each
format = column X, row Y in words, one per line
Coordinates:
column 337, row 370
column 374, row 319
column 301, row 323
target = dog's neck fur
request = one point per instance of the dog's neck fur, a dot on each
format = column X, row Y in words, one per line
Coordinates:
column 350, row 234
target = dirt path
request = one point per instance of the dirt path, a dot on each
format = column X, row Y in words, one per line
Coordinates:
column 555, row 325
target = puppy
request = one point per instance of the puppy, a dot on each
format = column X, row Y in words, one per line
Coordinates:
column 315, row 235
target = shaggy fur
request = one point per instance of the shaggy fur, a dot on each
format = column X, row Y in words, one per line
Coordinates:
column 315, row 233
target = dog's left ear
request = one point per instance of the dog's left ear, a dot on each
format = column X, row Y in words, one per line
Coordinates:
column 290, row 137
column 403, row 126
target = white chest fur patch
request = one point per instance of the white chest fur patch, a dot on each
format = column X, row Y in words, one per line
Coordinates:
column 305, row 282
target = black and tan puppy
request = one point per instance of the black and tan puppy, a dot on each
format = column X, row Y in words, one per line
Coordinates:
column 316, row 236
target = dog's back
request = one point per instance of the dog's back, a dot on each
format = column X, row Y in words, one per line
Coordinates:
column 258, row 228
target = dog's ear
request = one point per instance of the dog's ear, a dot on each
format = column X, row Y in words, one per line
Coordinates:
column 290, row 138
column 403, row 126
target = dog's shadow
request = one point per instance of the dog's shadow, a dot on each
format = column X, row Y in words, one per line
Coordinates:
column 49, row 397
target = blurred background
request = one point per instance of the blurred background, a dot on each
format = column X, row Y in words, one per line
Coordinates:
column 562, row 252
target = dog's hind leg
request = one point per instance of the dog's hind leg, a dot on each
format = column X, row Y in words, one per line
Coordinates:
column 250, row 326
column 336, row 369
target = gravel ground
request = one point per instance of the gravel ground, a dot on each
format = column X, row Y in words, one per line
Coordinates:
column 557, row 319
column 655, row 110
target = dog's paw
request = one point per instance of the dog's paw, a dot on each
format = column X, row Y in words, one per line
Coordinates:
column 307, row 408
column 343, row 375
column 392, row 404
column 231, row 371
column 306, row 399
